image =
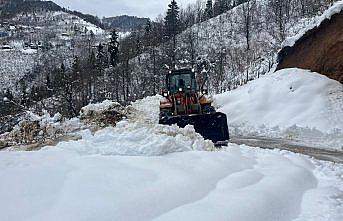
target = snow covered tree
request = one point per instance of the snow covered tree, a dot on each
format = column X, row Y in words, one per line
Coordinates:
column 279, row 12
column 25, row 98
column 113, row 48
column 220, row 6
column 100, row 59
column 247, row 16
column 67, row 92
column 209, row 9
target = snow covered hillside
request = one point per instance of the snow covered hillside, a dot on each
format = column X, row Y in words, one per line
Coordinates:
column 315, row 22
column 221, row 42
column 36, row 36
column 291, row 103
column 142, row 171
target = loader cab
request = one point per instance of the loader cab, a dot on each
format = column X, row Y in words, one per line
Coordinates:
column 181, row 80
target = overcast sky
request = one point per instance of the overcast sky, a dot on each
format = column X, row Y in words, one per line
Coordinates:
column 140, row 8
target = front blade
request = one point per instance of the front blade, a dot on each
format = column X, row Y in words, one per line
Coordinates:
column 211, row 126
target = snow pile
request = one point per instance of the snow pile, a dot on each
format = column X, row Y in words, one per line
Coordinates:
column 35, row 131
column 238, row 184
column 99, row 107
column 147, row 110
column 107, row 113
column 139, row 135
column 316, row 22
column 129, row 139
column 290, row 103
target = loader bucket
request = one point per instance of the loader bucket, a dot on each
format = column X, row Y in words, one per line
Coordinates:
column 211, row 126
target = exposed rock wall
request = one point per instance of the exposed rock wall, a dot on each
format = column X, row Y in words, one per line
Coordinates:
column 319, row 50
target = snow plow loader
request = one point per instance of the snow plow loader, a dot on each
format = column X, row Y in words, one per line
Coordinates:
column 185, row 104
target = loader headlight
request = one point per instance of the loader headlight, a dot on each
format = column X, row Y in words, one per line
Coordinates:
column 165, row 94
column 180, row 89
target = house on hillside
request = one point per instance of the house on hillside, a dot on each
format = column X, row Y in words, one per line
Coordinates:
column 320, row 48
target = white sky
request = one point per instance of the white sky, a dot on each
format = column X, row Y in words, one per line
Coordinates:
column 140, row 8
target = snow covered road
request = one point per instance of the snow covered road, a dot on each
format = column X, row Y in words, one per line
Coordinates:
column 284, row 144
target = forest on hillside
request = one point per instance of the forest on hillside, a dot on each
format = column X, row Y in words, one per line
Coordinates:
column 230, row 42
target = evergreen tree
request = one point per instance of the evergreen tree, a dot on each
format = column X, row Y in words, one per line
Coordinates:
column 220, row 6
column 209, row 9
column 48, row 82
column 172, row 20
column 172, row 28
column 113, row 48
column 25, row 99
column 216, row 8
column 148, row 28
column 100, row 59
column 147, row 34
column 67, row 92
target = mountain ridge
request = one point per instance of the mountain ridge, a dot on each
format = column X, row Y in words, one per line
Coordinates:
column 9, row 9
column 124, row 23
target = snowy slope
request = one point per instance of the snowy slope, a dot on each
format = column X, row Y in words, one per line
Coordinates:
column 109, row 176
column 30, row 28
column 315, row 22
column 222, row 41
column 288, row 103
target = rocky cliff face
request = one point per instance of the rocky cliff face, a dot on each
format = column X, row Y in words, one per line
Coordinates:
column 319, row 50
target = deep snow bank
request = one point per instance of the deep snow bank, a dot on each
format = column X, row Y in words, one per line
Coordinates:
column 136, row 140
column 240, row 183
column 292, row 103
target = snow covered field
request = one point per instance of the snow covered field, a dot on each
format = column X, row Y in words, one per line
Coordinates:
column 143, row 171
column 292, row 103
